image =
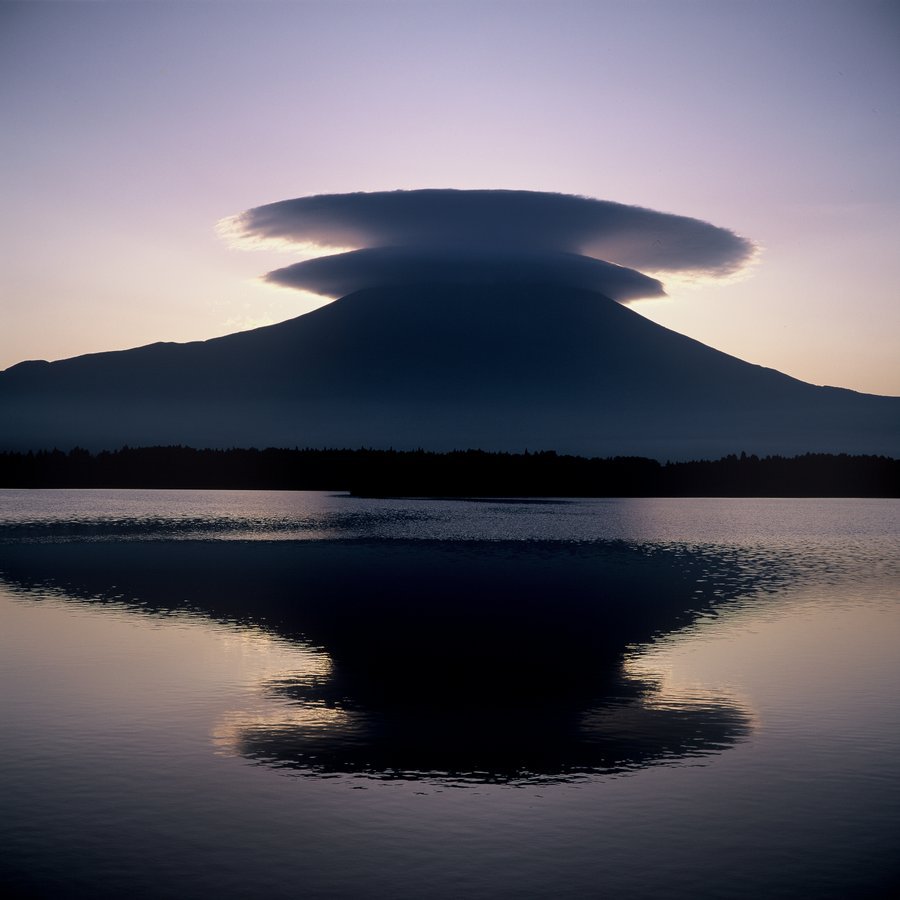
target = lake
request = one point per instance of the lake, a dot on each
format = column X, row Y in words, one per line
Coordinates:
column 282, row 694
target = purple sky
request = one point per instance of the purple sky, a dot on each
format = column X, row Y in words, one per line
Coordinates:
column 131, row 129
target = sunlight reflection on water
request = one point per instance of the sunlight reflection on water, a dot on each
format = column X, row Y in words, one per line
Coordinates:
column 249, row 515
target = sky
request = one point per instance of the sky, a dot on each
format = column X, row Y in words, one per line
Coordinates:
column 131, row 129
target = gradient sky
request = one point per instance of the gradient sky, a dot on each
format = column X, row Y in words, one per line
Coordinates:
column 131, row 129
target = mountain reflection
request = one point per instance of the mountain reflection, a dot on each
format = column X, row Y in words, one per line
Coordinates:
column 467, row 661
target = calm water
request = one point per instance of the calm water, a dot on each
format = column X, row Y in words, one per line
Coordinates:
column 304, row 694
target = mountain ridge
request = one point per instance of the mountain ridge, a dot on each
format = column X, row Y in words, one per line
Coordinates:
column 500, row 367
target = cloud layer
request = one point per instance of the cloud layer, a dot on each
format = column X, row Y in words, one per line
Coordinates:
column 467, row 237
column 341, row 274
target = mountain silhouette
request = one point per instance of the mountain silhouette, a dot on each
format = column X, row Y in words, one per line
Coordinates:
column 493, row 366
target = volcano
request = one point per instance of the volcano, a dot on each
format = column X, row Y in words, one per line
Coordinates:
column 440, row 367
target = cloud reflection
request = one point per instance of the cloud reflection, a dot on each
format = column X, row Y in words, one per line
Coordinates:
column 472, row 743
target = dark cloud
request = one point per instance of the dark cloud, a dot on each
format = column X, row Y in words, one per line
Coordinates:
column 512, row 222
column 341, row 274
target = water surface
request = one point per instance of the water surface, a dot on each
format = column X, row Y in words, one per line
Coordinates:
column 251, row 693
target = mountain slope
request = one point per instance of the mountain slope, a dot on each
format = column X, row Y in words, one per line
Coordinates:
column 443, row 367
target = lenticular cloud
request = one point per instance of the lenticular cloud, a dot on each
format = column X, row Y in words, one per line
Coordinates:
column 336, row 276
column 452, row 236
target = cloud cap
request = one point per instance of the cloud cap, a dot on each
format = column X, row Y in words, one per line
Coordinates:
column 341, row 274
column 523, row 222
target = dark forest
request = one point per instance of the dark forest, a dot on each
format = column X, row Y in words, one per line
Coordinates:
column 465, row 473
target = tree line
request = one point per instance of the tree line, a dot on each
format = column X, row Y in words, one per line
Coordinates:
column 460, row 473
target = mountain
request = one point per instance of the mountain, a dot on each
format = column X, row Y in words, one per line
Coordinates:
column 499, row 367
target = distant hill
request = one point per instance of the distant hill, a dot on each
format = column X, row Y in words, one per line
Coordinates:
column 497, row 367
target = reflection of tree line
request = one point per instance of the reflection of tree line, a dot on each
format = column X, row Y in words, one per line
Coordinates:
column 457, row 473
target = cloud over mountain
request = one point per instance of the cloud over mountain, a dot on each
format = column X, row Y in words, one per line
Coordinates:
column 338, row 275
column 495, row 223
